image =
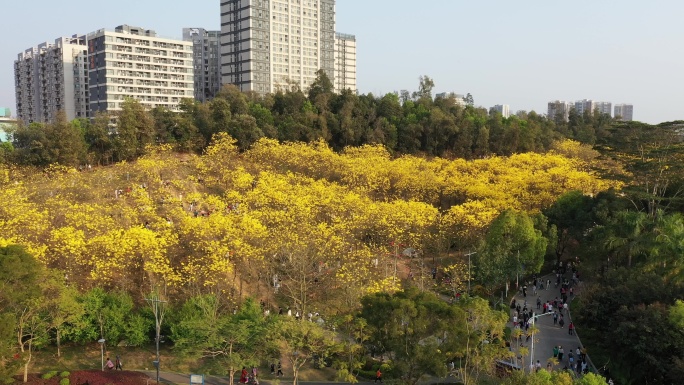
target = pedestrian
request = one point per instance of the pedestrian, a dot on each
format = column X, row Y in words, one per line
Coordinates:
column 109, row 364
column 555, row 318
column 280, row 370
column 538, row 303
column 549, row 367
column 565, row 307
column 378, row 376
column 272, row 368
column 555, row 351
column 571, row 328
column 118, row 363
column 538, row 365
column 548, row 284
column 524, row 290
column 560, row 353
column 561, row 323
column 243, row 375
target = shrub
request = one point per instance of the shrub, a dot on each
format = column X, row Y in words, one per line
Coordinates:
column 64, row 381
column 49, row 375
column 64, row 374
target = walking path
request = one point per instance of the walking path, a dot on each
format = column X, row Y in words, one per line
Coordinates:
column 549, row 335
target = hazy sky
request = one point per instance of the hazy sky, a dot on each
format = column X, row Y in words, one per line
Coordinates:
column 521, row 53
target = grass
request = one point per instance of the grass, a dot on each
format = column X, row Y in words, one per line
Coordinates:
column 84, row 357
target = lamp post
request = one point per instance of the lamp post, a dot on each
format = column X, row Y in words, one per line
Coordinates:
column 469, row 279
column 534, row 317
column 102, row 342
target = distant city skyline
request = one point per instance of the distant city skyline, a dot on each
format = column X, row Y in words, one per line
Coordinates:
column 632, row 54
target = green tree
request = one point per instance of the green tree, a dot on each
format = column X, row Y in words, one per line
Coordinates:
column 21, row 303
column 572, row 215
column 20, row 326
column 202, row 329
column 512, row 248
column 320, row 86
column 417, row 331
column 303, row 342
column 61, row 306
column 134, row 130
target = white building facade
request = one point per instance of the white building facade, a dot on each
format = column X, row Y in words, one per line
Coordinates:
column 624, row 112
column 270, row 45
column 51, row 77
column 559, row 110
column 503, row 109
column 131, row 62
column 345, row 62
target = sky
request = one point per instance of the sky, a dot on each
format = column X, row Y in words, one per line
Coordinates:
column 522, row 53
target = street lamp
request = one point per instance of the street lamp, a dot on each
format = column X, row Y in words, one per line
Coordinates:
column 534, row 317
column 469, row 278
column 102, row 342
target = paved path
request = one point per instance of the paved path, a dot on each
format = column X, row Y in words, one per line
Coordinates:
column 550, row 335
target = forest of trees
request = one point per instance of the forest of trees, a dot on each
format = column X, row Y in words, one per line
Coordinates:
column 403, row 124
column 309, row 202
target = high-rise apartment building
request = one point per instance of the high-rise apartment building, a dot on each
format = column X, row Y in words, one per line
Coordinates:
column 136, row 63
column 52, row 77
column 624, row 112
column 592, row 106
column 604, row 107
column 206, row 59
column 585, row 105
column 345, row 62
column 503, row 109
column 559, row 110
column 268, row 45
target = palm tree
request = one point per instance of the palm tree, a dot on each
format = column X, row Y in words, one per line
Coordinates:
column 629, row 236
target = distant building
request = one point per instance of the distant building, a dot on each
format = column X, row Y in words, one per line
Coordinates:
column 132, row 62
column 459, row 98
column 592, row 106
column 206, row 59
column 6, row 123
column 503, row 109
column 52, row 77
column 604, row 108
column 585, row 105
column 274, row 45
column 345, row 62
column 559, row 110
column 624, row 112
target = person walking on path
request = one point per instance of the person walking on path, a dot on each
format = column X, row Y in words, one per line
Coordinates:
column 571, row 328
column 118, row 363
column 555, row 352
column 280, row 370
column 561, row 322
column 560, row 354
column 378, row 376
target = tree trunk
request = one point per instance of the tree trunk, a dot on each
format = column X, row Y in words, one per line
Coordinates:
column 59, row 347
column 28, row 360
